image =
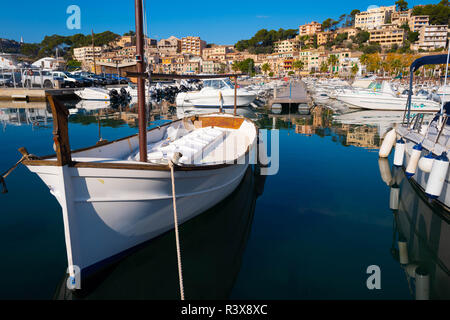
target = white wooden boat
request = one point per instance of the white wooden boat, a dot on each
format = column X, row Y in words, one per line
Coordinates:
column 112, row 203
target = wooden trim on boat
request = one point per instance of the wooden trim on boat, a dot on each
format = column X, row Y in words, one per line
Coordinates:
column 60, row 131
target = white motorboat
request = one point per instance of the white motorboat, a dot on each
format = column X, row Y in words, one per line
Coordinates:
column 112, row 203
column 98, row 94
column 444, row 93
column 90, row 105
column 386, row 99
column 216, row 92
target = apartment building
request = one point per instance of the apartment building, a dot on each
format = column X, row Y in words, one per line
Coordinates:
column 400, row 18
column 417, row 22
column 169, row 46
column 349, row 30
column 216, row 52
column 325, row 37
column 373, row 18
column 310, row 29
column 432, row 37
column 124, row 41
column 388, row 36
column 193, row 45
column 85, row 54
column 212, row 67
column 288, row 45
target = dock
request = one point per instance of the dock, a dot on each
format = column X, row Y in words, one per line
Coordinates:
column 294, row 95
column 34, row 95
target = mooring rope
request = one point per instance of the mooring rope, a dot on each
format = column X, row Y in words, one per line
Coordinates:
column 172, row 163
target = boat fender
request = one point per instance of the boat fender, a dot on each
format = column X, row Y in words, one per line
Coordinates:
column 399, row 155
column 394, row 197
column 403, row 251
column 426, row 163
column 437, row 177
column 385, row 170
column 414, row 161
column 422, row 284
column 388, row 143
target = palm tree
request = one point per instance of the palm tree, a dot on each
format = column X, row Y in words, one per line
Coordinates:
column 265, row 68
column 298, row 65
column 324, row 67
column 333, row 61
column 355, row 69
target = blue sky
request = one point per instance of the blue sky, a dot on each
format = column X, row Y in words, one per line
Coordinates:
column 221, row 22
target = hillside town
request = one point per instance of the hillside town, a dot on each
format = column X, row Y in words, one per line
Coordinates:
column 316, row 48
column 380, row 39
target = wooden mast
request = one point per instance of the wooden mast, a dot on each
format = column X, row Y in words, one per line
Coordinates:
column 141, row 80
column 235, row 95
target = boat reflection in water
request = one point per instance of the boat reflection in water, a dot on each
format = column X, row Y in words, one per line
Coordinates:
column 421, row 239
column 212, row 247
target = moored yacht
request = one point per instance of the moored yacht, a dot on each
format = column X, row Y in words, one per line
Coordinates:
column 216, row 93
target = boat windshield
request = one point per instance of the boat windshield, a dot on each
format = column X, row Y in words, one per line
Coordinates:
column 375, row 86
column 218, row 84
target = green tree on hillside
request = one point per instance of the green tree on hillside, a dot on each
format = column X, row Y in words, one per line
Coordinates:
column 439, row 13
column 401, row 5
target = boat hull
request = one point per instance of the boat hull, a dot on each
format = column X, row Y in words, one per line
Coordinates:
column 421, row 178
column 380, row 103
column 107, row 212
column 212, row 100
column 93, row 94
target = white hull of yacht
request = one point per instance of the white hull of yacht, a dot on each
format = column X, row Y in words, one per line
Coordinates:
column 375, row 102
column 97, row 94
column 211, row 99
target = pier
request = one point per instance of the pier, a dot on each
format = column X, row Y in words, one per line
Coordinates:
column 34, row 95
column 294, row 95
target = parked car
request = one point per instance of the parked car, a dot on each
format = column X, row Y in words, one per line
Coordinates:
column 6, row 80
column 69, row 80
column 40, row 78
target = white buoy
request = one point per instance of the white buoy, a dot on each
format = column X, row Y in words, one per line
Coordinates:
column 437, row 177
column 385, row 170
column 394, row 197
column 388, row 143
column 422, row 284
column 403, row 251
column 414, row 161
column 399, row 155
column 426, row 163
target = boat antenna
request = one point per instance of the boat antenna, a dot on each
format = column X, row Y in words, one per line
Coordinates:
column 141, row 81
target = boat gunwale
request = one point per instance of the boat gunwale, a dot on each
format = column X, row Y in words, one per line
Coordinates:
column 44, row 161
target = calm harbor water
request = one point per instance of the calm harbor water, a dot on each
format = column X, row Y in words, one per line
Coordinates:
column 309, row 232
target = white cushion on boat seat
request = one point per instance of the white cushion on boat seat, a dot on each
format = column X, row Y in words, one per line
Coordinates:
column 194, row 146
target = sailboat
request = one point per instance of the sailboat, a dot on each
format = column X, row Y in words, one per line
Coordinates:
column 117, row 195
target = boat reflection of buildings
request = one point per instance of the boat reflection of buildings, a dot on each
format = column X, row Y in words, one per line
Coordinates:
column 362, row 136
